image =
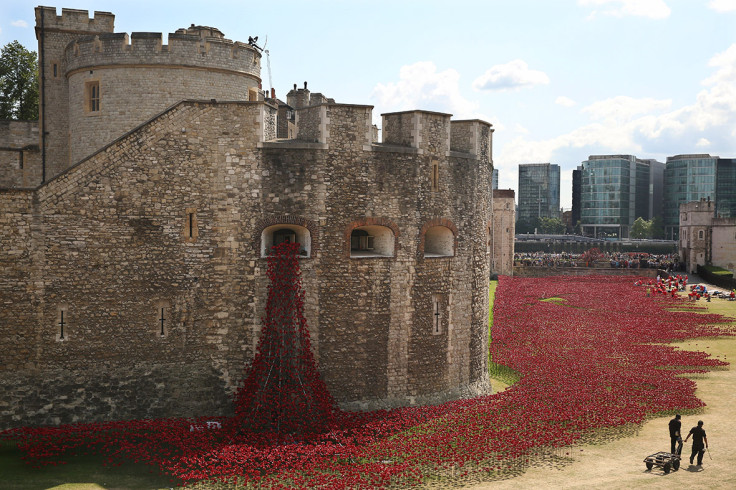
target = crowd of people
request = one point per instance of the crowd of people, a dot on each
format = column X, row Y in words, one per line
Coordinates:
column 672, row 284
column 630, row 260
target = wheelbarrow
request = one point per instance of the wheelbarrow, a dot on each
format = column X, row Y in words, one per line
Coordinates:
column 666, row 461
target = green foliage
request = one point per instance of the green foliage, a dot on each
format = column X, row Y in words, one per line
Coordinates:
column 553, row 226
column 718, row 271
column 18, row 83
column 641, row 228
column 656, row 228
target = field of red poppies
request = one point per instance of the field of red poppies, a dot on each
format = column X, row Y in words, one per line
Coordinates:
column 593, row 362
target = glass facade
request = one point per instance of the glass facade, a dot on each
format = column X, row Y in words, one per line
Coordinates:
column 539, row 191
column 687, row 178
column 614, row 191
column 726, row 188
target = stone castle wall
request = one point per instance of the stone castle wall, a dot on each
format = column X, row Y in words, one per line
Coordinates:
column 19, row 154
column 55, row 32
column 107, row 243
column 503, row 231
column 137, row 76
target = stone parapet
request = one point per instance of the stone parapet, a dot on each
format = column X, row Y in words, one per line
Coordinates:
column 147, row 48
column 74, row 20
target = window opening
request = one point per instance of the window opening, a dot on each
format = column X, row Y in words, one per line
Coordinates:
column 284, row 235
column 61, row 324
column 190, row 225
column 437, row 315
column 435, row 175
column 93, row 96
column 372, row 241
column 162, row 320
column 700, row 234
column 56, row 70
column 361, row 240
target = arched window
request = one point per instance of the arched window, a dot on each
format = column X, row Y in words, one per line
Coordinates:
column 700, row 235
column 372, row 241
column 439, row 241
column 280, row 233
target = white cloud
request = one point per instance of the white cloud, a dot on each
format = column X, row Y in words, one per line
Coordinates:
column 722, row 5
column 512, row 75
column 653, row 9
column 19, row 23
column 647, row 126
column 421, row 86
column 565, row 101
column 622, row 108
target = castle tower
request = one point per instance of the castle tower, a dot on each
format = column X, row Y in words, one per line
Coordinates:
column 54, row 33
column 109, row 83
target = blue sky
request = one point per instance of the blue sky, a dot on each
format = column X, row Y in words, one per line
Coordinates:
column 559, row 80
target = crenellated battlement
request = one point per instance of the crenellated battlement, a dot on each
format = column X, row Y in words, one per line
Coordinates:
column 472, row 136
column 147, row 48
column 73, row 20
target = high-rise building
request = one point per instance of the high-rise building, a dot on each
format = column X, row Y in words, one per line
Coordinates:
column 539, row 191
column 576, row 196
column 494, row 179
column 617, row 189
column 690, row 178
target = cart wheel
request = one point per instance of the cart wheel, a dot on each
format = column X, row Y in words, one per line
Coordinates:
column 666, row 468
column 676, row 464
column 649, row 465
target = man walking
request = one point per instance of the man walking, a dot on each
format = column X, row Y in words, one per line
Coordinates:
column 675, row 436
column 699, row 437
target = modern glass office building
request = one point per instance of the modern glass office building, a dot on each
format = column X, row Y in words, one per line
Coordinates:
column 539, row 191
column 617, row 189
column 494, row 179
column 689, row 178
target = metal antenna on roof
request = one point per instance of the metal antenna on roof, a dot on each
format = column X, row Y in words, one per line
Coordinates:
column 268, row 63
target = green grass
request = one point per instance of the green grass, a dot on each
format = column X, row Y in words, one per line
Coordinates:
column 555, row 300
column 501, row 376
column 80, row 473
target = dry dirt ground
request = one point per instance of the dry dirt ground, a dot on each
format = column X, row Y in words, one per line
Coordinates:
column 619, row 464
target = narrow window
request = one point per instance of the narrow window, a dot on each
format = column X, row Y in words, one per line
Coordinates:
column 162, row 320
column 56, row 70
column 20, row 159
column 62, row 323
column 92, row 95
column 191, row 231
column 435, row 175
column 162, row 324
column 700, row 235
column 438, row 313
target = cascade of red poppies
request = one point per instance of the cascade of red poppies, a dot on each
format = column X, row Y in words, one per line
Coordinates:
column 283, row 394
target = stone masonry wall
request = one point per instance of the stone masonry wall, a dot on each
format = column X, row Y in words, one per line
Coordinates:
column 55, row 32
column 111, row 244
column 503, row 230
column 19, row 154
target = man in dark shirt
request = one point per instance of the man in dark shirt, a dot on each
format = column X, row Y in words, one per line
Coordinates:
column 675, row 436
column 699, row 437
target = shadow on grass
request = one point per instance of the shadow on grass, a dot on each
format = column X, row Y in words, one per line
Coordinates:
column 79, row 473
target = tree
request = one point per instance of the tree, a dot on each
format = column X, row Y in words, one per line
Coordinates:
column 18, row 83
column 656, row 228
column 641, row 228
column 553, row 226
